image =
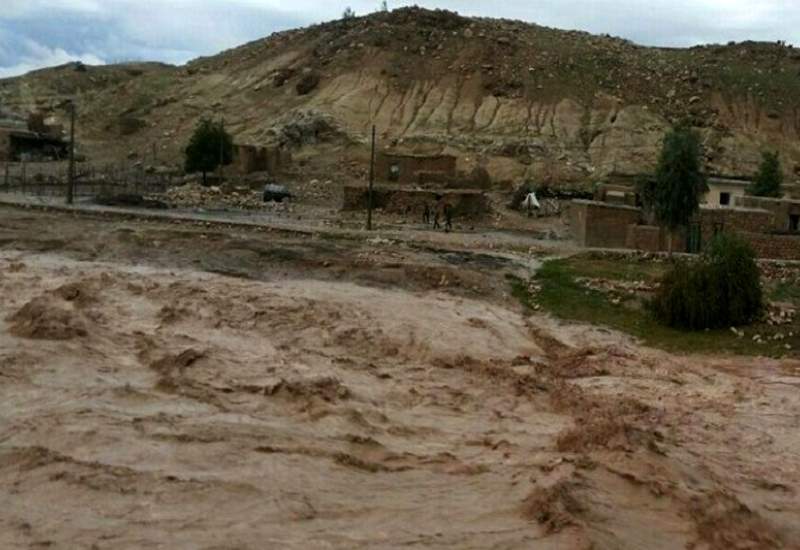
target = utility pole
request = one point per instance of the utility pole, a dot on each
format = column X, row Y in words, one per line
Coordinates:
column 71, row 176
column 371, row 181
column 221, row 150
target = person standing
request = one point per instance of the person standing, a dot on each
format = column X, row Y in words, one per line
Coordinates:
column 426, row 214
column 448, row 218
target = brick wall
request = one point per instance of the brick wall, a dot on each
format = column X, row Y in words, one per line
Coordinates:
column 601, row 225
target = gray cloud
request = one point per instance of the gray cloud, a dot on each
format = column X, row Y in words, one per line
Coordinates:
column 38, row 33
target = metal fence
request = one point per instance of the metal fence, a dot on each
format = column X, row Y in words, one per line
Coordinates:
column 49, row 179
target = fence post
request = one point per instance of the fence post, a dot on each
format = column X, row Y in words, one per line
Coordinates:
column 71, row 180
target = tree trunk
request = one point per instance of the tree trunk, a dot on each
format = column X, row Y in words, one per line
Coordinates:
column 205, row 183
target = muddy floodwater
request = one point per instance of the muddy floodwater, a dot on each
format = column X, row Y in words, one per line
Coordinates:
column 252, row 392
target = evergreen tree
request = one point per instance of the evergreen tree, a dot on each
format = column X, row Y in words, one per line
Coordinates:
column 679, row 180
column 209, row 146
column 769, row 178
column 384, row 6
column 348, row 13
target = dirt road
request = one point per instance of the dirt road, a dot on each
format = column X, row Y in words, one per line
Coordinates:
column 173, row 387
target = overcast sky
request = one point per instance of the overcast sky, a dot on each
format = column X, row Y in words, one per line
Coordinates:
column 40, row 33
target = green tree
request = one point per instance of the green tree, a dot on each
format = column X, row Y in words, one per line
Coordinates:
column 646, row 193
column 769, row 178
column 679, row 180
column 348, row 13
column 384, row 6
column 209, row 147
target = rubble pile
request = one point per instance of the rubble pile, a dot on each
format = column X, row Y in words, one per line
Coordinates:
column 618, row 290
column 305, row 127
column 778, row 314
column 197, row 196
column 780, row 272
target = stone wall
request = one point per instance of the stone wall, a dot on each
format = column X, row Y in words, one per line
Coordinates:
column 776, row 247
column 6, row 152
column 466, row 203
column 601, row 225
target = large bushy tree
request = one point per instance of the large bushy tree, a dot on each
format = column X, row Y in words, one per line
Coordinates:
column 721, row 289
column 209, row 147
column 769, row 178
column 679, row 180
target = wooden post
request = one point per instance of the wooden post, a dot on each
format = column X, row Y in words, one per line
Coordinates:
column 71, row 175
column 371, row 181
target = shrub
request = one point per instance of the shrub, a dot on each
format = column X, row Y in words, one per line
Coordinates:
column 308, row 83
column 721, row 289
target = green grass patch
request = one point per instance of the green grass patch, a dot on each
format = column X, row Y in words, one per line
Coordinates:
column 565, row 297
column 784, row 292
column 586, row 265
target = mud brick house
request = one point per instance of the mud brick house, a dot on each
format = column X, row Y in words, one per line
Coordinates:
column 17, row 145
column 723, row 192
column 409, row 169
column 615, row 194
column 249, row 159
column 602, row 225
column 35, row 141
column 785, row 212
column 771, row 226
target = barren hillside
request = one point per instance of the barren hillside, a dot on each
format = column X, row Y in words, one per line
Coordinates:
column 525, row 100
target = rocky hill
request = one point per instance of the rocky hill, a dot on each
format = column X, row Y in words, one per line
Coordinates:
column 526, row 101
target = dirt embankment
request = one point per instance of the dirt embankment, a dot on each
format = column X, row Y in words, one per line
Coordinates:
column 288, row 407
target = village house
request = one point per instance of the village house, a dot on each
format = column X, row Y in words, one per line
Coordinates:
column 770, row 225
column 38, row 141
column 250, row 159
column 415, row 169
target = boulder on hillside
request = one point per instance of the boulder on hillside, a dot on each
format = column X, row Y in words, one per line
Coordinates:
column 308, row 83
